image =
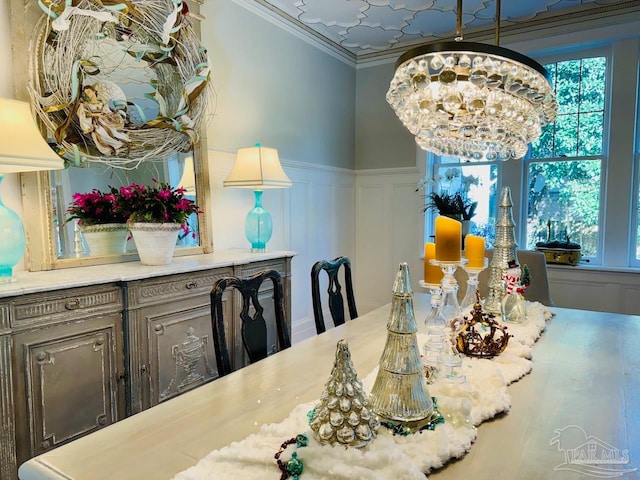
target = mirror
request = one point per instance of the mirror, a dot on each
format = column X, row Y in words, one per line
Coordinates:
column 69, row 242
column 52, row 244
column 121, row 96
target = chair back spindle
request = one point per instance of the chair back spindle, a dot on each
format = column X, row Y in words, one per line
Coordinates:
column 334, row 292
column 254, row 326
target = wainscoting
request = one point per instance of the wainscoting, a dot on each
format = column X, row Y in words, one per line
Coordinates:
column 315, row 218
column 374, row 217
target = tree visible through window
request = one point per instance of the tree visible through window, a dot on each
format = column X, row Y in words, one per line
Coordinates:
column 565, row 168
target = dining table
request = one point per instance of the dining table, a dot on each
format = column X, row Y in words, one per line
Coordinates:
column 576, row 412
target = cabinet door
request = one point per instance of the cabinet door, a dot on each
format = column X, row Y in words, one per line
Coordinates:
column 181, row 355
column 67, row 382
column 171, row 348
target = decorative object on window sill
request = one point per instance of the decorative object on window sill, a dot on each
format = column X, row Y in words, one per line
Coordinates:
column 22, row 149
column 564, row 253
column 258, row 168
column 450, row 194
column 89, row 62
column 505, row 250
column 472, row 100
column 470, row 339
column 342, row 417
column 399, row 395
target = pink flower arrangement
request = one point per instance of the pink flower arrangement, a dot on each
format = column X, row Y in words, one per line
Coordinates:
column 157, row 204
column 134, row 204
column 96, row 207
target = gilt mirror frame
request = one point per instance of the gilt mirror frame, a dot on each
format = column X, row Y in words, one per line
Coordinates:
column 37, row 200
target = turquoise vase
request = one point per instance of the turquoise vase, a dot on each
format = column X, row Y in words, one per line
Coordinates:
column 258, row 226
column 12, row 241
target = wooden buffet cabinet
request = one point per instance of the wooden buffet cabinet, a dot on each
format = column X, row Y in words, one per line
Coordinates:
column 82, row 348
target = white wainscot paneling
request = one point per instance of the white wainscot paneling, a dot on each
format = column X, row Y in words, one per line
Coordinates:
column 595, row 289
column 389, row 231
column 315, row 218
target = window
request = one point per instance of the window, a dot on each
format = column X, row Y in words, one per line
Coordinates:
column 581, row 179
column 476, row 182
column 565, row 169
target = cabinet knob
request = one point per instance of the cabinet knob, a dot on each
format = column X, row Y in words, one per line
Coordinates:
column 191, row 284
column 73, row 304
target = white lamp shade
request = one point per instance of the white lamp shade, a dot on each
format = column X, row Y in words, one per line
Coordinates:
column 257, row 167
column 188, row 179
column 22, row 148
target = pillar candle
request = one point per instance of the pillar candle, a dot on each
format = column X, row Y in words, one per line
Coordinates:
column 432, row 273
column 448, row 239
column 474, row 251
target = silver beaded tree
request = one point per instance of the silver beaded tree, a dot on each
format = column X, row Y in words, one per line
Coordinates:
column 342, row 416
column 399, row 395
column 505, row 249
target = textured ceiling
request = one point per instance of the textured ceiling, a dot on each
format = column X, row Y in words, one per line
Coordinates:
column 366, row 28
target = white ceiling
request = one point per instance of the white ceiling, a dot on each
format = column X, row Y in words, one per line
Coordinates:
column 364, row 29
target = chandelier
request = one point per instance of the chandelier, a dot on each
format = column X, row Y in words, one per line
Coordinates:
column 471, row 100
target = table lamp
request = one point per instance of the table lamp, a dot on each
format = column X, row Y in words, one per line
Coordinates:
column 22, row 149
column 258, row 168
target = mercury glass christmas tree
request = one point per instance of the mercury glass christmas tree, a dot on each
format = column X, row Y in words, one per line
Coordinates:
column 399, row 395
column 342, row 416
column 505, row 250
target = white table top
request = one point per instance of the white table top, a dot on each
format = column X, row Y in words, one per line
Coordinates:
column 584, row 374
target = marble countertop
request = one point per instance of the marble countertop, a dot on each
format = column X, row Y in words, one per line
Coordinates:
column 32, row 282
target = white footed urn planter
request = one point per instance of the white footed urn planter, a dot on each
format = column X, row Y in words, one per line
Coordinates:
column 106, row 238
column 155, row 242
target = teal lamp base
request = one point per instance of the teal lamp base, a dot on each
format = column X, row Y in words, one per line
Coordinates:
column 258, row 226
column 12, row 241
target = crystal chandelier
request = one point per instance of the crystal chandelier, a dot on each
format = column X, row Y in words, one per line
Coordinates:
column 471, row 100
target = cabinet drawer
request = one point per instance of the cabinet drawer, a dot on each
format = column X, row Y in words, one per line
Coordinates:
column 64, row 305
column 251, row 268
column 162, row 289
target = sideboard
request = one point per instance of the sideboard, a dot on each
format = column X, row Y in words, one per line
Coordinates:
column 82, row 348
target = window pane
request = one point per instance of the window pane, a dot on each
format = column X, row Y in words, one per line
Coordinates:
column 566, row 136
column 477, row 183
column 564, row 203
column 567, row 85
column 580, row 90
column 590, row 134
column 593, row 79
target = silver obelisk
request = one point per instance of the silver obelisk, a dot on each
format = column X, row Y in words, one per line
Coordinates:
column 399, row 395
column 505, row 249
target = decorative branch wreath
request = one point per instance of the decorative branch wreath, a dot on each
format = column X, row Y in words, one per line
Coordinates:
column 83, row 51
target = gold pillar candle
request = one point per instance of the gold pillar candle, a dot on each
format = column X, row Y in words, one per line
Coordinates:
column 474, row 251
column 432, row 273
column 448, row 239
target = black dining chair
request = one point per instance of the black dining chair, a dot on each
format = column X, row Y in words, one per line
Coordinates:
column 334, row 291
column 254, row 327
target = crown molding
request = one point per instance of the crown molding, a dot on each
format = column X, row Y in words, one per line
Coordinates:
column 547, row 24
column 293, row 26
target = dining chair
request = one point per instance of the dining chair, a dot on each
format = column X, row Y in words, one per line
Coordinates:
column 334, row 291
column 537, row 291
column 254, row 327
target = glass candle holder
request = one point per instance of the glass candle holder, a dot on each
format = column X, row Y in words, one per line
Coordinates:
column 434, row 323
column 450, row 307
column 466, row 305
